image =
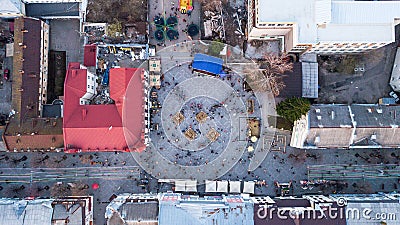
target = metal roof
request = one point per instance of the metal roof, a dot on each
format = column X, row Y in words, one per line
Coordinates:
column 193, row 210
column 10, row 6
column 52, row 9
column 363, row 12
column 310, row 79
column 23, row 212
column 139, row 211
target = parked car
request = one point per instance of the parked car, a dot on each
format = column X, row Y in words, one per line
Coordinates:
column 394, row 95
column 6, row 73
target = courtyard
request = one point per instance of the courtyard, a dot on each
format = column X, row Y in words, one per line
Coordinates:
column 341, row 83
column 200, row 123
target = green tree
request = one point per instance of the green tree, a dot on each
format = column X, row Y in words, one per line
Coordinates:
column 293, row 108
column 214, row 48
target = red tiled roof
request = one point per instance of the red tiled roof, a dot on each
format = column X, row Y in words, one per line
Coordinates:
column 89, row 58
column 99, row 127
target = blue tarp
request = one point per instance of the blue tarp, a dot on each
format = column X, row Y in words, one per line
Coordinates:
column 208, row 64
column 106, row 76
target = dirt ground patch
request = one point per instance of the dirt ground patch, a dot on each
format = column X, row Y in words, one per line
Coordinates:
column 233, row 36
column 125, row 11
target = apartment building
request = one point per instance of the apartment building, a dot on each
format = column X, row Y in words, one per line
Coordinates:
column 348, row 126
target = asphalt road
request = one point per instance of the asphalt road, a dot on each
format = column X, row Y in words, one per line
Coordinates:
column 33, row 175
column 351, row 172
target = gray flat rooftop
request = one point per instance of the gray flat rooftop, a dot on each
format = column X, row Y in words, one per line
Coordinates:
column 329, row 116
column 52, row 9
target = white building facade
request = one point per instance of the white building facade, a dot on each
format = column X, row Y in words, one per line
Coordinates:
column 44, row 62
column 324, row 26
column 91, row 86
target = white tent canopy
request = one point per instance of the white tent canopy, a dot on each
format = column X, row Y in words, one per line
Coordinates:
column 179, row 185
column 222, row 186
column 186, row 185
column 234, row 186
column 191, row 185
column 211, row 186
column 248, row 187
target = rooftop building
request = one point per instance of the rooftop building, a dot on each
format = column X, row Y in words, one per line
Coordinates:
column 31, row 41
column 386, row 205
column 56, row 9
column 348, row 126
column 11, row 9
column 133, row 209
column 28, row 129
column 104, row 127
column 306, row 210
column 173, row 208
column 324, row 26
column 67, row 211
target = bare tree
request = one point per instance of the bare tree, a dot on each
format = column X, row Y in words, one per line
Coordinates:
column 16, row 190
column 39, row 160
column 79, row 188
column 60, row 190
column 269, row 78
column 86, row 159
column 211, row 5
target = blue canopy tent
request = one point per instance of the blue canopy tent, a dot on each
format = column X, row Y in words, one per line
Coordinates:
column 208, row 65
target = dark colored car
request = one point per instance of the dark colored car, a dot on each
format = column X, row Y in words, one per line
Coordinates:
column 6, row 74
